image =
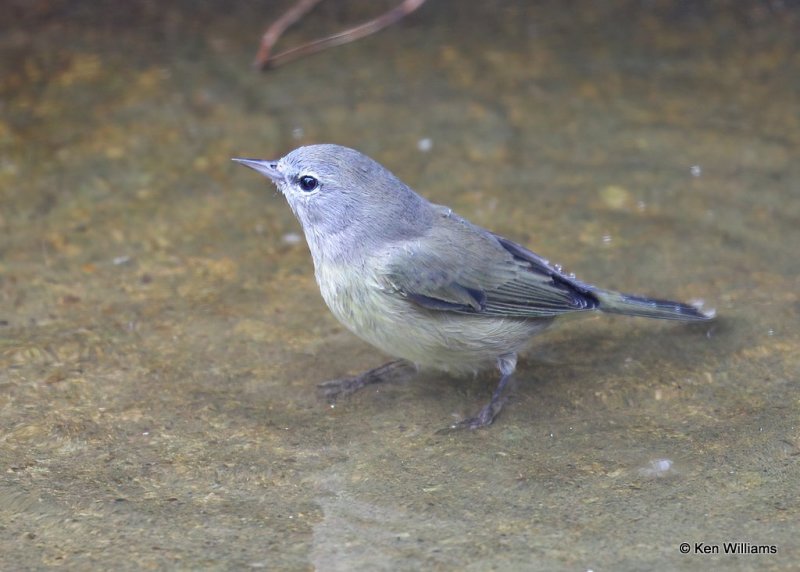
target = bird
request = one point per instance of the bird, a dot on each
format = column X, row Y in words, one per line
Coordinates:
column 425, row 285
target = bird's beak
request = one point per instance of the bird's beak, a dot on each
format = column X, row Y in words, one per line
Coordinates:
column 267, row 168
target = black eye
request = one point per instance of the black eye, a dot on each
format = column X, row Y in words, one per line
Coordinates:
column 308, row 183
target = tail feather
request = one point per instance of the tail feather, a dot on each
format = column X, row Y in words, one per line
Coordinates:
column 630, row 305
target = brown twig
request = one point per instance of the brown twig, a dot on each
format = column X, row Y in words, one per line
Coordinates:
column 264, row 59
column 278, row 27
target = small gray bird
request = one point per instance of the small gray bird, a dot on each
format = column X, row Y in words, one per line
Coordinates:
column 421, row 283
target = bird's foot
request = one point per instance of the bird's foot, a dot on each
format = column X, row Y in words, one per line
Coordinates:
column 483, row 418
column 333, row 389
column 337, row 388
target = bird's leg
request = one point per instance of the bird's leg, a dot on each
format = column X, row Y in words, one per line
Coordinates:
column 394, row 370
column 506, row 364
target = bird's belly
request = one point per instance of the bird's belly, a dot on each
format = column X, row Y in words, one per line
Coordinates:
column 438, row 339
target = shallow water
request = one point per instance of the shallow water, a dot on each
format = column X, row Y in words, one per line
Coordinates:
column 162, row 336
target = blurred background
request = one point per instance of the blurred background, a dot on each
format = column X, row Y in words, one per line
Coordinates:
column 161, row 333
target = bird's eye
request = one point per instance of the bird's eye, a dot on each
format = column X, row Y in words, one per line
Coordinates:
column 308, row 183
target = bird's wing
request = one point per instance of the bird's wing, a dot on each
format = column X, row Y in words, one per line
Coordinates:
column 458, row 267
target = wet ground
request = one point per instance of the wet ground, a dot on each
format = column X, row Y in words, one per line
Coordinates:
column 161, row 334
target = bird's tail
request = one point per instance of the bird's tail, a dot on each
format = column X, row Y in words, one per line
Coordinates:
column 630, row 305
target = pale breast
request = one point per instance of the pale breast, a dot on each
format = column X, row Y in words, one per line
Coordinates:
column 400, row 328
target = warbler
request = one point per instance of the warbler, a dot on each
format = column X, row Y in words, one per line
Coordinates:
column 423, row 284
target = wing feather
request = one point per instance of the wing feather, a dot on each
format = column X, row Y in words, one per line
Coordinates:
column 458, row 267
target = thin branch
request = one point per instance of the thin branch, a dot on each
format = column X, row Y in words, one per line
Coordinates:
column 265, row 61
column 278, row 27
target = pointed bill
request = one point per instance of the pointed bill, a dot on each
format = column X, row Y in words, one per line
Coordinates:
column 267, row 168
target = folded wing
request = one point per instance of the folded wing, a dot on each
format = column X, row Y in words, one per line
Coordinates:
column 458, row 267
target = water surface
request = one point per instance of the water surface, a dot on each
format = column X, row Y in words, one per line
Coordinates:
column 162, row 336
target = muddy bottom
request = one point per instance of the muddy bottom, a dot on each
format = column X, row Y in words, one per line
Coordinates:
column 162, row 336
